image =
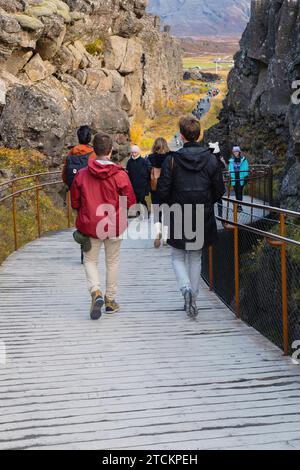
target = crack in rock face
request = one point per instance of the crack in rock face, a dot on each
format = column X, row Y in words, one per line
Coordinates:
column 259, row 113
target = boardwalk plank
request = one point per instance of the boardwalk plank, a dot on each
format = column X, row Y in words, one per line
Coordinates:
column 148, row 378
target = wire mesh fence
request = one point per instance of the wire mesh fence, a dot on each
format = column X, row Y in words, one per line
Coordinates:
column 268, row 271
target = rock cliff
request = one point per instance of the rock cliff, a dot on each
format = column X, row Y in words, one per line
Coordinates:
column 259, row 112
column 73, row 62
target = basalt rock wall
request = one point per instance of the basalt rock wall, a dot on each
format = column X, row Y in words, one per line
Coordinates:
column 73, row 62
column 259, row 113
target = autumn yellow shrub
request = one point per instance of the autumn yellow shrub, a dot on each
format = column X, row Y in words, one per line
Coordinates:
column 144, row 130
column 160, row 103
column 147, row 144
column 171, row 105
column 95, row 48
column 23, row 162
column 136, row 132
column 52, row 218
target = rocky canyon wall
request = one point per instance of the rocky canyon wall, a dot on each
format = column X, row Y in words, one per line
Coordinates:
column 259, row 113
column 73, row 62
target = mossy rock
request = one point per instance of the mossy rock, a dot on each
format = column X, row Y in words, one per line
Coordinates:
column 63, row 10
column 77, row 15
column 28, row 22
column 48, row 8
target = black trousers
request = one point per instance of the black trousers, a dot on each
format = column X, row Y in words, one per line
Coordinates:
column 239, row 191
column 156, row 212
column 157, row 215
column 143, row 203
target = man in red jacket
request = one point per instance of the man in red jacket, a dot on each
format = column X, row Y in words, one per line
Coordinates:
column 102, row 193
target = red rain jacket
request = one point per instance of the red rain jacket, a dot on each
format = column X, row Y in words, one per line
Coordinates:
column 95, row 194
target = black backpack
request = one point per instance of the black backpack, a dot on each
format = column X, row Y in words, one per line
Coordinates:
column 74, row 164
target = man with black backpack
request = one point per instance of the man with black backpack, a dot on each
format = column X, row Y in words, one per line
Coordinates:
column 79, row 156
column 191, row 180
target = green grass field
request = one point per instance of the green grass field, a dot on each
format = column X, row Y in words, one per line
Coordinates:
column 206, row 62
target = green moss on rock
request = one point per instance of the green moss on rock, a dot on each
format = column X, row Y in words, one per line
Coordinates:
column 48, row 8
column 28, row 22
column 95, row 48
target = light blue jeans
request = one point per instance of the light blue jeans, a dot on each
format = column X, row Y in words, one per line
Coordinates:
column 187, row 267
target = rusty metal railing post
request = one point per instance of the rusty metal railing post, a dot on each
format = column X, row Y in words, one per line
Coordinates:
column 38, row 212
column 14, row 214
column 69, row 208
column 285, row 322
column 211, row 268
column 236, row 262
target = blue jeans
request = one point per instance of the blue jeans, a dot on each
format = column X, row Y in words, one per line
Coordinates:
column 187, row 267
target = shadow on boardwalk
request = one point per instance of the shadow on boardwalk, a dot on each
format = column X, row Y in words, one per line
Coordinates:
column 148, row 378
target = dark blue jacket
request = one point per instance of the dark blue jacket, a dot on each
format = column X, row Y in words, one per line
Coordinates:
column 138, row 171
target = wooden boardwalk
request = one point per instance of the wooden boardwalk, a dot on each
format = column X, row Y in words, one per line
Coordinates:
column 148, row 378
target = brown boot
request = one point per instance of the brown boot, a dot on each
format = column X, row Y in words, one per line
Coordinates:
column 111, row 306
column 157, row 241
column 97, row 304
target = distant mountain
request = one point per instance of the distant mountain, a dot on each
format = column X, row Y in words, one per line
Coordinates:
column 203, row 17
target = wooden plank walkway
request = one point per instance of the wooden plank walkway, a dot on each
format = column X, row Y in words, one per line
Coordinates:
column 148, row 378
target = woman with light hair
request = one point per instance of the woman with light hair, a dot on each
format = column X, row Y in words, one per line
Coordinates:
column 160, row 151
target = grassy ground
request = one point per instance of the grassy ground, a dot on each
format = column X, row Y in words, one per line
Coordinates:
column 206, row 62
column 211, row 118
column 144, row 131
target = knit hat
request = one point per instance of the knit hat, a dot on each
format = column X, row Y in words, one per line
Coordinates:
column 236, row 149
column 215, row 147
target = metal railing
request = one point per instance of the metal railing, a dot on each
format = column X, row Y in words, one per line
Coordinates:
column 12, row 190
column 259, row 185
column 260, row 177
column 255, row 269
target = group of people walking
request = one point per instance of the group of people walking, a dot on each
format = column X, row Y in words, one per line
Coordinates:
column 144, row 174
column 102, row 193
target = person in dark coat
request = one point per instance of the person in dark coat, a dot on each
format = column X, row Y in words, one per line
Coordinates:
column 138, row 171
column 215, row 149
column 160, row 151
column 192, row 179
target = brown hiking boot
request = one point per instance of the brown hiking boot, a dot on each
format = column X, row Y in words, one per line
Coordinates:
column 111, row 306
column 97, row 304
column 157, row 241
